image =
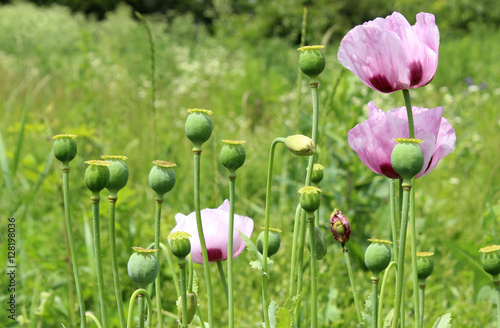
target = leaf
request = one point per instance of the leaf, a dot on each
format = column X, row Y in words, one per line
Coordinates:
column 367, row 313
column 255, row 256
column 195, row 283
column 388, row 318
column 272, row 310
column 284, row 316
column 443, row 321
column 197, row 323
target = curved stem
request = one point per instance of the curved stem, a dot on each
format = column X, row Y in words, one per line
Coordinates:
column 413, row 241
column 69, row 231
column 382, row 290
column 182, row 271
column 401, row 257
column 374, row 296
column 114, row 264
column 98, row 261
column 353, row 285
column 159, row 202
column 314, row 273
column 93, row 317
column 265, row 297
column 232, row 192
column 206, row 269
column 293, row 266
column 131, row 306
column 168, row 254
column 223, row 279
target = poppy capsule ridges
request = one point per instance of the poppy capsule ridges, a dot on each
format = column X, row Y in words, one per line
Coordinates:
column 162, row 177
column 180, row 244
column 274, row 242
column 198, row 127
column 143, row 266
column 118, row 173
column 232, row 154
column 490, row 258
column 312, row 60
column 65, row 148
column 407, row 158
column 425, row 265
column 96, row 175
column 377, row 256
column 309, row 198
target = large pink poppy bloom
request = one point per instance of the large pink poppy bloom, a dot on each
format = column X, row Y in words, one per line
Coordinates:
column 215, row 222
column 389, row 54
column 373, row 139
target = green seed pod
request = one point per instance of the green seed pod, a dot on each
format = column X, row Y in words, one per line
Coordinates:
column 300, row 145
column 65, row 148
column 192, row 304
column 274, row 242
column 378, row 256
column 198, row 127
column 232, row 154
column 97, row 175
column 309, row 198
column 321, row 246
column 118, row 173
column 317, row 173
column 490, row 258
column 425, row 265
column 312, row 60
column 162, row 177
column 180, row 244
column 143, row 266
column 407, row 158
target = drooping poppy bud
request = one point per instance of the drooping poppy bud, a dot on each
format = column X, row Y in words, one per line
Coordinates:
column 300, row 145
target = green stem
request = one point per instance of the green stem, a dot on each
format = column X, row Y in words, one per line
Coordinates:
column 401, row 257
column 159, row 202
column 190, row 275
column 496, row 282
column 353, row 285
column 197, row 155
column 140, row 301
column 293, row 266
column 131, row 306
column 314, row 273
column 114, row 264
column 265, row 275
column 382, row 291
column 413, row 241
column 95, row 199
column 93, row 317
column 182, row 271
column 168, row 254
column 223, row 279
column 200, row 315
column 300, row 264
column 69, row 231
column 374, row 296
column 394, row 214
column 411, row 128
column 232, row 192
column 421, row 292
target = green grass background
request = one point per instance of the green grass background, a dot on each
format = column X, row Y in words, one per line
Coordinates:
column 61, row 73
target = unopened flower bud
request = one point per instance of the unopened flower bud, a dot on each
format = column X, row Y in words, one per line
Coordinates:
column 198, row 127
column 377, row 256
column 192, row 304
column 321, row 246
column 180, row 244
column 232, row 154
column 317, row 173
column 340, row 227
column 425, row 265
column 65, row 147
column 97, row 175
column 143, row 266
column 118, row 173
column 300, row 145
column 274, row 242
column 490, row 258
column 312, row 60
column 407, row 158
column 162, row 177
column 309, row 198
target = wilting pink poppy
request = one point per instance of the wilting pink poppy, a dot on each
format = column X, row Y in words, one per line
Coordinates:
column 215, row 222
column 373, row 139
column 389, row 54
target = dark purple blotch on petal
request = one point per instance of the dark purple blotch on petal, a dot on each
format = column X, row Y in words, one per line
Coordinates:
column 388, row 171
column 214, row 255
column 428, row 165
column 416, row 73
column 381, row 83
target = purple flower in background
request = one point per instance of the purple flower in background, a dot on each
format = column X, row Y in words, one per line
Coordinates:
column 373, row 139
column 389, row 54
column 215, row 222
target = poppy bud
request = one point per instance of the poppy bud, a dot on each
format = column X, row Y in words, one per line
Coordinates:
column 309, row 198
column 65, row 147
column 312, row 60
column 96, row 175
column 192, row 304
column 198, row 127
column 407, row 158
column 232, row 154
column 377, row 256
column 143, row 266
column 340, row 227
column 300, row 145
column 162, row 177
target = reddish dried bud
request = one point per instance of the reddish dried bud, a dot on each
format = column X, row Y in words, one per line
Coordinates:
column 340, row 226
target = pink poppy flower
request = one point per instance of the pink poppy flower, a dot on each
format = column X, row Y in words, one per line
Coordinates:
column 215, row 222
column 373, row 139
column 389, row 54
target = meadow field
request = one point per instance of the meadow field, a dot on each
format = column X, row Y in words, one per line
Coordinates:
column 63, row 73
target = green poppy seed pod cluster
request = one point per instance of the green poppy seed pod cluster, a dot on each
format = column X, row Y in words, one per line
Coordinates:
column 317, row 173
column 300, row 145
column 425, row 265
column 309, row 198
column 274, row 242
column 192, row 305
column 490, row 258
column 321, row 246
column 96, row 175
column 162, row 177
column 407, row 158
column 143, row 266
column 180, row 244
column 232, row 154
column 118, row 173
column 312, row 60
column 377, row 256
column 198, row 127
column 65, row 148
